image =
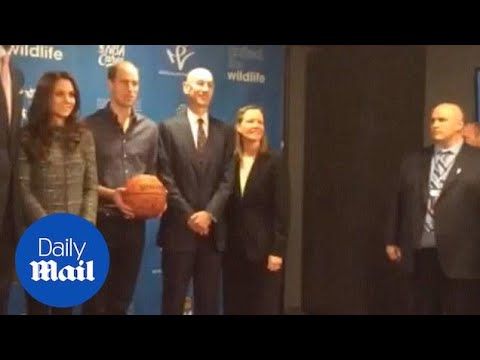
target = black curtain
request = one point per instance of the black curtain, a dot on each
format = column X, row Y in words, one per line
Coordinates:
column 365, row 110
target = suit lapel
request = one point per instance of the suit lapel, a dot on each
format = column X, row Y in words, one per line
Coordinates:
column 253, row 176
column 425, row 173
column 188, row 146
column 16, row 99
column 236, row 190
column 17, row 102
column 211, row 145
column 3, row 106
column 187, row 136
column 455, row 171
column 13, row 128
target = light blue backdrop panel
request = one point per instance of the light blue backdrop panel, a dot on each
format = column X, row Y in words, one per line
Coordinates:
column 243, row 74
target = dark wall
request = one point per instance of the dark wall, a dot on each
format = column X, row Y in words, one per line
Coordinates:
column 294, row 131
column 364, row 110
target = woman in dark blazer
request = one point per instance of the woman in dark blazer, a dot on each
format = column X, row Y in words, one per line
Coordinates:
column 57, row 165
column 257, row 217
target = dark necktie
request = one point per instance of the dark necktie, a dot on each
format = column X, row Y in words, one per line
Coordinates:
column 201, row 136
column 435, row 186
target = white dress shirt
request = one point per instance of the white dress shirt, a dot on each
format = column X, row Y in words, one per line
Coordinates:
column 245, row 168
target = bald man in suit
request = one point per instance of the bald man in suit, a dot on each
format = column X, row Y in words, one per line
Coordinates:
column 434, row 232
column 196, row 165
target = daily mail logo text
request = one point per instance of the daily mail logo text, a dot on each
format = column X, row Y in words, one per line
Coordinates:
column 48, row 270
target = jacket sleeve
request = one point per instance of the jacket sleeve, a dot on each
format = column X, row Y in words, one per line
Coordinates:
column 32, row 207
column 90, row 181
column 217, row 203
column 176, row 200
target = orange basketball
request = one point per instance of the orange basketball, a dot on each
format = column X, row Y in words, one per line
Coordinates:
column 146, row 195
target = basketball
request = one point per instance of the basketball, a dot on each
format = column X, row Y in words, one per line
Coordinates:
column 146, row 195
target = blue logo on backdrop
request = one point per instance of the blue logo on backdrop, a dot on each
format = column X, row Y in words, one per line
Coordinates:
column 62, row 260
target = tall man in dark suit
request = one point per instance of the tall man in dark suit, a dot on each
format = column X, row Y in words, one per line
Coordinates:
column 10, row 209
column 195, row 163
column 435, row 224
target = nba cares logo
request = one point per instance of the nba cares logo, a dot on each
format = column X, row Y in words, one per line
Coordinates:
column 110, row 54
column 62, row 260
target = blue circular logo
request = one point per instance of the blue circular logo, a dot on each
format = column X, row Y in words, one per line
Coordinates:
column 62, row 260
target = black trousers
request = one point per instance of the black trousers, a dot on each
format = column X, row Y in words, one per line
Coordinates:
column 249, row 288
column 434, row 294
column 204, row 265
column 7, row 254
column 125, row 240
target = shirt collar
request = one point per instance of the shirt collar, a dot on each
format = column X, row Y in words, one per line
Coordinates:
column 135, row 117
column 455, row 149
column 193, row 118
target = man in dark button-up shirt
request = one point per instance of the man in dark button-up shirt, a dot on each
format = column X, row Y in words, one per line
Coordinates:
column 121, row 155
column 126, row 145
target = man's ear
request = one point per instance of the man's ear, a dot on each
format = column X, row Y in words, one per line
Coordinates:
column 109, row 84
column 186, row 88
